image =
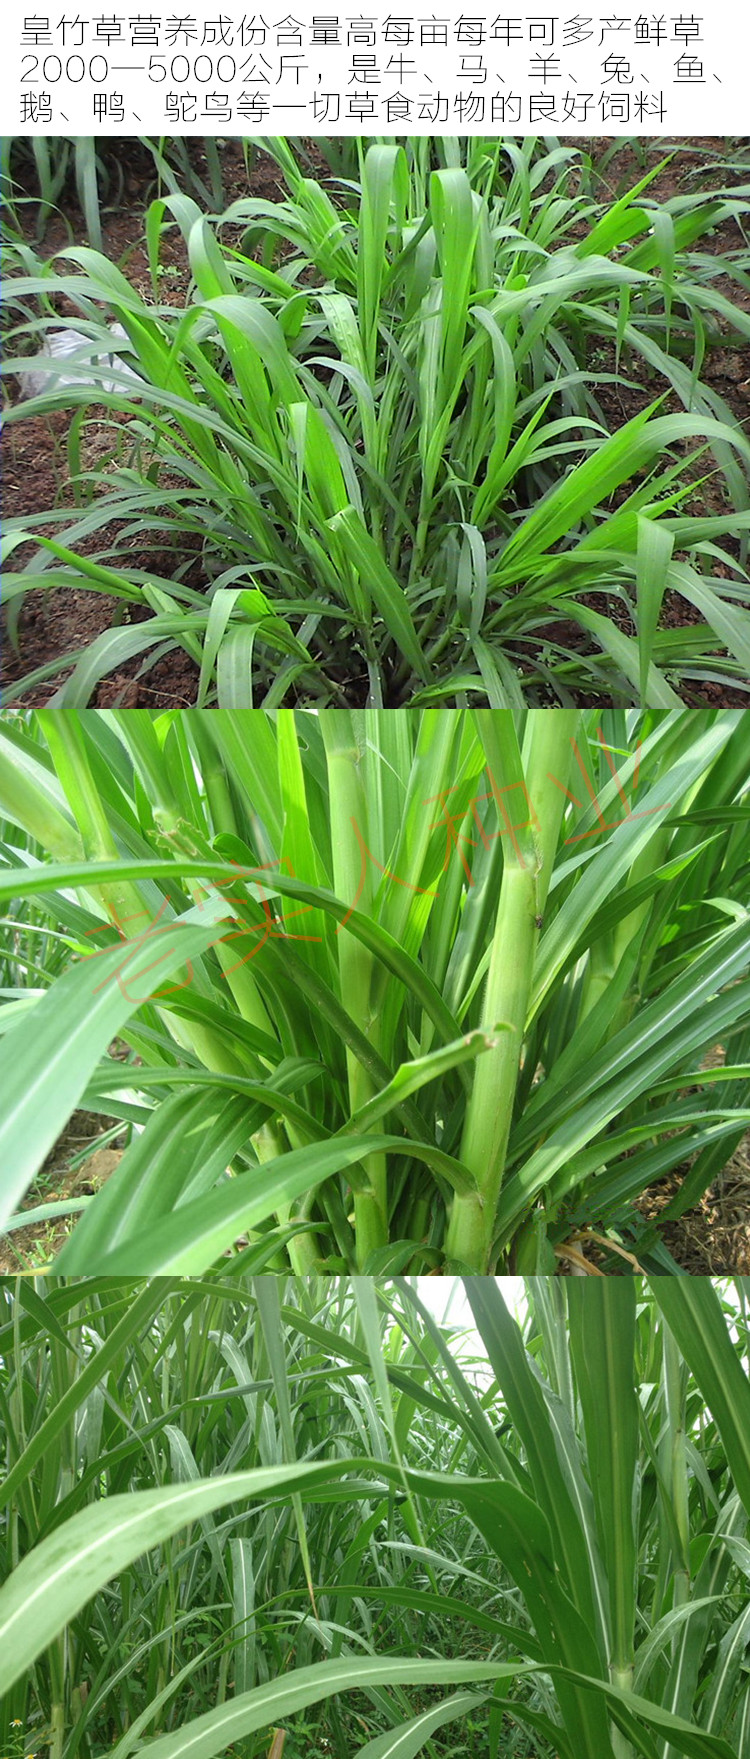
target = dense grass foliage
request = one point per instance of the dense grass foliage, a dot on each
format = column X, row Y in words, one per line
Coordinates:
column 242, row 1503
column 381, row 415
column 394, row 991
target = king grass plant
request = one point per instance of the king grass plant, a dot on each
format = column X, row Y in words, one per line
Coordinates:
column 435, row 990
column 381, row 430
column 237, row 1505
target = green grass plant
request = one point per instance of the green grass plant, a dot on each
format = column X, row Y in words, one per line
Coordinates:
column 400, row 991
column 379, row 417
column 525, row 1540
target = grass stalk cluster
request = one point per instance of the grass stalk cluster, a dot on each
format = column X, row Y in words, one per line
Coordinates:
column 375, row 992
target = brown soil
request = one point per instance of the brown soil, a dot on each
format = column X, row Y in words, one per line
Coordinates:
column 710, row 1239
column 37, row 477
column 64, row 1176
column 714, row 1237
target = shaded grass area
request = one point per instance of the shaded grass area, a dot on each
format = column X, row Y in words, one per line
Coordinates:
column 469, row 593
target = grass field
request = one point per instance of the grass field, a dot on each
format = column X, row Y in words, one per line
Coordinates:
column 236, row 1505
column 433, row 422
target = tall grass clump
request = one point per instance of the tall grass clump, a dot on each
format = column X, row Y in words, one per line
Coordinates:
column 411, row 991
column 379, row 417
column 243, row 1504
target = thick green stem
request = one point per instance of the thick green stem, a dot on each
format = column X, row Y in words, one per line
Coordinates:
column 348, row 805
column 675, row 1478
column 26, row 802
column 269, row 1143
column 676, row 1474
column 489, row 1113
column 526, row 875
column 622, row 1678
column 64, row 735
column 57, row 1731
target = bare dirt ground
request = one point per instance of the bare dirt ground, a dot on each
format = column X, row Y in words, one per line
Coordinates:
column 36, row 473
